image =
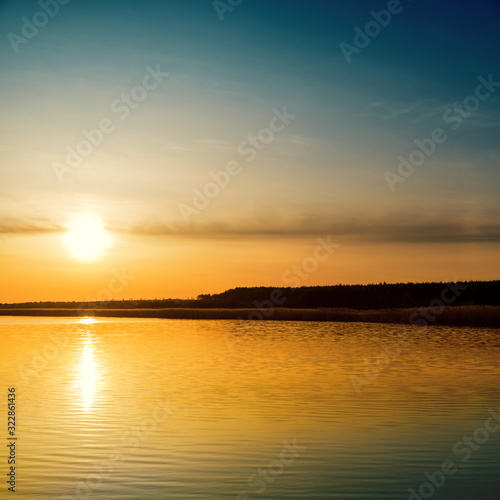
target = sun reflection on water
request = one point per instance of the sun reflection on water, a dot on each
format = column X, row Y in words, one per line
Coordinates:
column 87, row 375
column 87, row 320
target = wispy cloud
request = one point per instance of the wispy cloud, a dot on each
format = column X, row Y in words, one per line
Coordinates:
column 16, row 227
column 378, row 232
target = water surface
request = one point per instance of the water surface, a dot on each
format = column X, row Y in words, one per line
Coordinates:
column 185, row 409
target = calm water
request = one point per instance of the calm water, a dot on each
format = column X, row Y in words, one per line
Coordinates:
column 163, row 409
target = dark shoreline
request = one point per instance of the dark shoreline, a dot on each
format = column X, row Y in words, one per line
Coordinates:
column 477, row 316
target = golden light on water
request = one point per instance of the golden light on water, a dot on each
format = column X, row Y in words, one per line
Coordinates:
column 87, row 375
column 87, row 238
column 87, row 320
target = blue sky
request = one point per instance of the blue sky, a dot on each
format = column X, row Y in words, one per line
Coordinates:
column 324, row 173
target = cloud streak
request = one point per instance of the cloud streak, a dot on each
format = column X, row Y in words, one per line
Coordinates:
column 29, row 228
column 380, row 232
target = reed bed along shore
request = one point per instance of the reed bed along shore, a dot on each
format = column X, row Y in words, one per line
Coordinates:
column 478, row 316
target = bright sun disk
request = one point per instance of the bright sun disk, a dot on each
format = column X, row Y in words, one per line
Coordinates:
column 87, row 238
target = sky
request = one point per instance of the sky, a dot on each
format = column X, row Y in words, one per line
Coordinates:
column 169, row 149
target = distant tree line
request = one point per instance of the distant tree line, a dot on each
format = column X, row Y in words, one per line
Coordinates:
column 379, row 296
column 376, row 296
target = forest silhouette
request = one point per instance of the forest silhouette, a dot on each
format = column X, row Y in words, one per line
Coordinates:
column 374, row 296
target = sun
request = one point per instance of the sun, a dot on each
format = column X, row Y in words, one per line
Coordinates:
column 87, row 238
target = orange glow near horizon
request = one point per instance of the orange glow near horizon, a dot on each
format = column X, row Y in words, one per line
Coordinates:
column 155, row 267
